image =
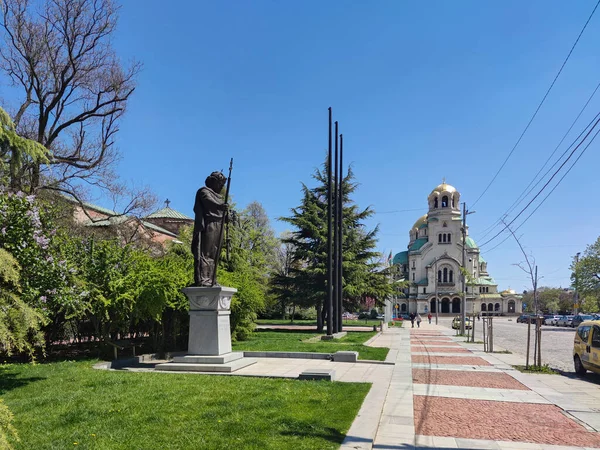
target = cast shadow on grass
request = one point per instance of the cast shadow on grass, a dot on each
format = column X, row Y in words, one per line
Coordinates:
column 329, row 434
column 9, row 380
column 279, row 330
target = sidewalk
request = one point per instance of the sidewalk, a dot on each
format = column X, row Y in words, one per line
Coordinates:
column 445, row 393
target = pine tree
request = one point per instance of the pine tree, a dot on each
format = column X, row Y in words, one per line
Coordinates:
column 362, row 276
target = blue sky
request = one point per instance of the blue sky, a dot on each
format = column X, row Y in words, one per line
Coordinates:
column 422, row 91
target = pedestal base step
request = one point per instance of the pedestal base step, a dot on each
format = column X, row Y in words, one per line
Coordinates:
column 317, row 374
column 227, row 363
column 327, row 337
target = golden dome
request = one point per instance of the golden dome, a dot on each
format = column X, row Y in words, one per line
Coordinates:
column 508, row 291
column 420, row 221
column 444, row 187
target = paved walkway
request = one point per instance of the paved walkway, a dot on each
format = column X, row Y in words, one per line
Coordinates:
column 445, row 393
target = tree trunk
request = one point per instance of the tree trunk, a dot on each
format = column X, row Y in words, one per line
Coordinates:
column 319, row 317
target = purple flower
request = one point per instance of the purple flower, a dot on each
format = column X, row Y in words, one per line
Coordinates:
column 3, row 231
column 43, row 299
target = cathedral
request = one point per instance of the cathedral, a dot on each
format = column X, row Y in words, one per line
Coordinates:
column 433, row 261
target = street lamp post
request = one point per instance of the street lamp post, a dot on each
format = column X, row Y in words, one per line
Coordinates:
column 463, row 309
column 576, row 296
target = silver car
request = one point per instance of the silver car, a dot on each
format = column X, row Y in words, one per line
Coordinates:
column 565, row 321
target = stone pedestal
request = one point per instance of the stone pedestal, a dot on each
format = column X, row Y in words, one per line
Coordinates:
column 209, row 345
column 210, row 333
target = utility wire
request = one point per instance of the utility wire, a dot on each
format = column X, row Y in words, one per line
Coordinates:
column 539, row 106
column 525, row 192
column 545, row 185
column 488, row 230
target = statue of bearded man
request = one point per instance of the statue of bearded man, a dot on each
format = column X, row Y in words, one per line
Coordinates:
column 209, row 209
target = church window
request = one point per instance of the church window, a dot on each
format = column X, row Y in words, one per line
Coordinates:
column 445, row 201
column 413, row 266
column 424, row 290
column 450, row 275
column 453, row 202
column 444, row 238
column 444, row 225
column 413, row 276
column 440, row 238
column 449, row 237
column 445, row 275
column 435, row 202
column 439, row 276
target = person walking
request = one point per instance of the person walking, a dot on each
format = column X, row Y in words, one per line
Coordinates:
column 412, row 320
column 419, row 320
column 429, row 318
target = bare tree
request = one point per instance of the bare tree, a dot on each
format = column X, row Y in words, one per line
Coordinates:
column 530, row 268
column 74, row 91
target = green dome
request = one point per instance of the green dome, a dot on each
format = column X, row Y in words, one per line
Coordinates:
column 470, row 242
column 400, row 258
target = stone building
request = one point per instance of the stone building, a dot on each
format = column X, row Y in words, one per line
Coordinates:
column 432, row 265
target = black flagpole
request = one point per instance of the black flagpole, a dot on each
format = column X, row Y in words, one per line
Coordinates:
column 335, row 235
column 329, row 303
column 340, row 289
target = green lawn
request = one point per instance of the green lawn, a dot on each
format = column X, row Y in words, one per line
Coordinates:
column 367, row 323
column 296, row 341
column 69, row 405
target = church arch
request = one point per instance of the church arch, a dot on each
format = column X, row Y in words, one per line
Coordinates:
column 403, row 307
column 511, row 306
column 435, row 202
column 456, row 305
column 497, row 307
column 490, row 307
column 445, row 305
column 432, row 306
column 445, row 201
column 483, row 307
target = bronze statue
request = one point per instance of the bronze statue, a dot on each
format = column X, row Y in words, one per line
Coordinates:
column 210, row 214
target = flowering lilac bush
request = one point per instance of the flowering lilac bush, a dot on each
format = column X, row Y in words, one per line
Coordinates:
column 28, row 233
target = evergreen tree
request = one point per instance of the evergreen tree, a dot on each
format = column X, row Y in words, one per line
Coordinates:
column 362, row 276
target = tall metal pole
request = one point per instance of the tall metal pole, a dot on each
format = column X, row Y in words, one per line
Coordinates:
column 329, row 303
column 340, row 259
column 437, row 306
column 537, row 322
column 576, row 296
column 335, row 234
column 463, row 312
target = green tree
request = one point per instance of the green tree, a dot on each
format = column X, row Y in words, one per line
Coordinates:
column 362, row 274
column 585, row 274
column 19, row 323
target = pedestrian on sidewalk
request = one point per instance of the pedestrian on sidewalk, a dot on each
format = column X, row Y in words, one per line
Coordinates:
column 429, row 317
column 419, row 320
column 412, row 320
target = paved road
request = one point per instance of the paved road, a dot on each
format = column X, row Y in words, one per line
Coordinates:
column 557, row 342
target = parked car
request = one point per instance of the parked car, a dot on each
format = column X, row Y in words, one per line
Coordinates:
column 586, row 347
column 551, row 319
column 523, row 318
column 565, row 321
column 456, row 323
column 580, row 318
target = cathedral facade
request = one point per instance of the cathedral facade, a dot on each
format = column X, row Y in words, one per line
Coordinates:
column 433, row 261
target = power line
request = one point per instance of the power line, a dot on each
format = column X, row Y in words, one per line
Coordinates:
column 488, row 230
column 525, row 193
column 399, row 211
column 548, row 182
column 539, row 106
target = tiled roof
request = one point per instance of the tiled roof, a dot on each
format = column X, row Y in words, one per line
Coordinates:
column 418, row 244
column 489, row 281
column 157, row 228
column 423, row 282
column 168, row 213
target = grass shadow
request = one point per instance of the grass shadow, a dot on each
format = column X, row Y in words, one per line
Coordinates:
column 306, row 430
column 9, row 380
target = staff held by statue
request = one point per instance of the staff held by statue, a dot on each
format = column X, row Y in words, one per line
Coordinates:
column 223, row 221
